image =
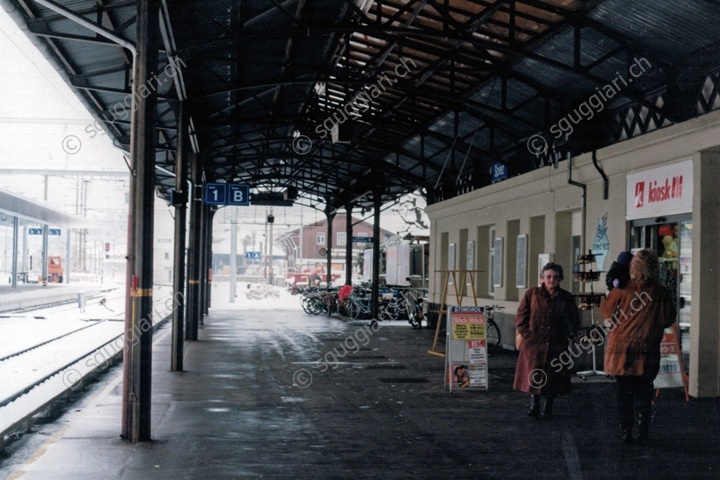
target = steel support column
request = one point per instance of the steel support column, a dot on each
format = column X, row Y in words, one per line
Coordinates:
column 138, row 319
column 348, row 243
column 207, row 255
column 15, row 235
column 233, row 255
column 44, row 267
column 330, row 215
column 377, row 204
column 193, row 288
column 180, row 202
column 202, row 267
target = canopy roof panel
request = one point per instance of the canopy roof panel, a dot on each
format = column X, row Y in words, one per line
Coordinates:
column 341, row 99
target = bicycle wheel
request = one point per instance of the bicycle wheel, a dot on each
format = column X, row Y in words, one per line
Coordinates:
column 354, row 309
column 306, row 303
column 493, row 337
column 414, row 317
column 315, row 305
column 387, row 312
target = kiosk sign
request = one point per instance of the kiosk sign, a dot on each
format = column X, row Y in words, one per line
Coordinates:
column 666, row 190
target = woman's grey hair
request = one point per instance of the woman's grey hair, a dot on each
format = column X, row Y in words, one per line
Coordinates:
column 555, row 267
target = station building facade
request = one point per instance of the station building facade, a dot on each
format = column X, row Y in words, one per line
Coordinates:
column 661, row 190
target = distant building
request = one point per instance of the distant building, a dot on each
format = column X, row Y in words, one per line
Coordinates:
column 306, row 247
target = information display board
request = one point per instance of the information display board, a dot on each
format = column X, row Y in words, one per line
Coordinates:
column 466, row 349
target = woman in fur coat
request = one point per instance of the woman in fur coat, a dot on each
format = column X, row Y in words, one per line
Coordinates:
column 636, row 317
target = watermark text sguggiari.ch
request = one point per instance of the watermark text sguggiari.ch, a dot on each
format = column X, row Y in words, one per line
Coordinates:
column 353, row 109
column 303, row 377
column 101, row 358
column 123, row 109
column 595, row 103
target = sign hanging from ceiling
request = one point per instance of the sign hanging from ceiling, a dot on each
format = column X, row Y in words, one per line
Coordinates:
column 237, row 194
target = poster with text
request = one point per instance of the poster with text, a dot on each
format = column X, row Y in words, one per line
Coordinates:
column 466, row 350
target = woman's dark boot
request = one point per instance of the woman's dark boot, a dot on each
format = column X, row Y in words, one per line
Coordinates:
column 643, row 426
column 626, row 429
column 645, row 413
column 548, row 408
column 625, row 410
column 535, row 408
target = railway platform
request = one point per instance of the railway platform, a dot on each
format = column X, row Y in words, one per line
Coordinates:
column 35, row 295
column 281, row 394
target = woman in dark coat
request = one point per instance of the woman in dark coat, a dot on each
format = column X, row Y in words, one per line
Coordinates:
column 636, row 316
column 546, row 319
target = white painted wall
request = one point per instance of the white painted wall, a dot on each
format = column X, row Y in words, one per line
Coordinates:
column 546, row 192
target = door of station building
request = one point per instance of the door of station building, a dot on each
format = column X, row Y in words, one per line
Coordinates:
column 671, row 238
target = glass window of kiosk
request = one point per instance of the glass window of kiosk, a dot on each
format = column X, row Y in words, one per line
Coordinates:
column 671, row 238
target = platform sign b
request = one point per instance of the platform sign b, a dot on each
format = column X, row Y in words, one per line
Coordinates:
column 238, row 194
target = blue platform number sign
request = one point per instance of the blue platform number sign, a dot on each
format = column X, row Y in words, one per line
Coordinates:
column 215, row 194
column 39, row 231
column 238, row 194
column 227, row 194
column 499, row 172
column 252, row 255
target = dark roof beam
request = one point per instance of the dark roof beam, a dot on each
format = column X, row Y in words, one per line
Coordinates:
column 36, row 28
column 88, row 11
column 623, row 42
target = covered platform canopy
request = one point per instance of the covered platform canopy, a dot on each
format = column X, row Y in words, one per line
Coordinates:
column 17, row 211
column 332, row 99
column 30, row 212
column 353, row 103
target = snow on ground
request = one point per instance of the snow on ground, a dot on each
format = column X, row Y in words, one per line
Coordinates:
column 220, row 298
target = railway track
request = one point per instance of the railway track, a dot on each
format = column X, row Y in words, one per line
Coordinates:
column 37, row 376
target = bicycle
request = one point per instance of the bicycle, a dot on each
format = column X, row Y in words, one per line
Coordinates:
column 492, row 330
column 359, row 304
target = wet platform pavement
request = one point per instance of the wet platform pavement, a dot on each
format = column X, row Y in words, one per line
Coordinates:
column 282, row 394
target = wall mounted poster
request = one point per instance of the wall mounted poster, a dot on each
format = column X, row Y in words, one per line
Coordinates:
column 466, row 350
column 521, row 263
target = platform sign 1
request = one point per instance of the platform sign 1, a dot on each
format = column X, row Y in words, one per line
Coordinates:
column 215, row 194
column 252, row 254
column 54, row 231
column 238, row 194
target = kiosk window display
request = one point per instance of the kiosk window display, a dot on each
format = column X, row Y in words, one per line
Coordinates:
column 659, row 212
column 672, row 241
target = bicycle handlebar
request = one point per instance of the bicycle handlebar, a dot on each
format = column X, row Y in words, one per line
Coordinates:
column 494, row 307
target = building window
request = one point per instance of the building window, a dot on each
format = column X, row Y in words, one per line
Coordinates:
column 167, row 256
column 320, row 239
column 491, row 263
column 341, row 238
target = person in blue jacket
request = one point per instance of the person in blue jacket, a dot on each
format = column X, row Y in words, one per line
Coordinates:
column 619, row 274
